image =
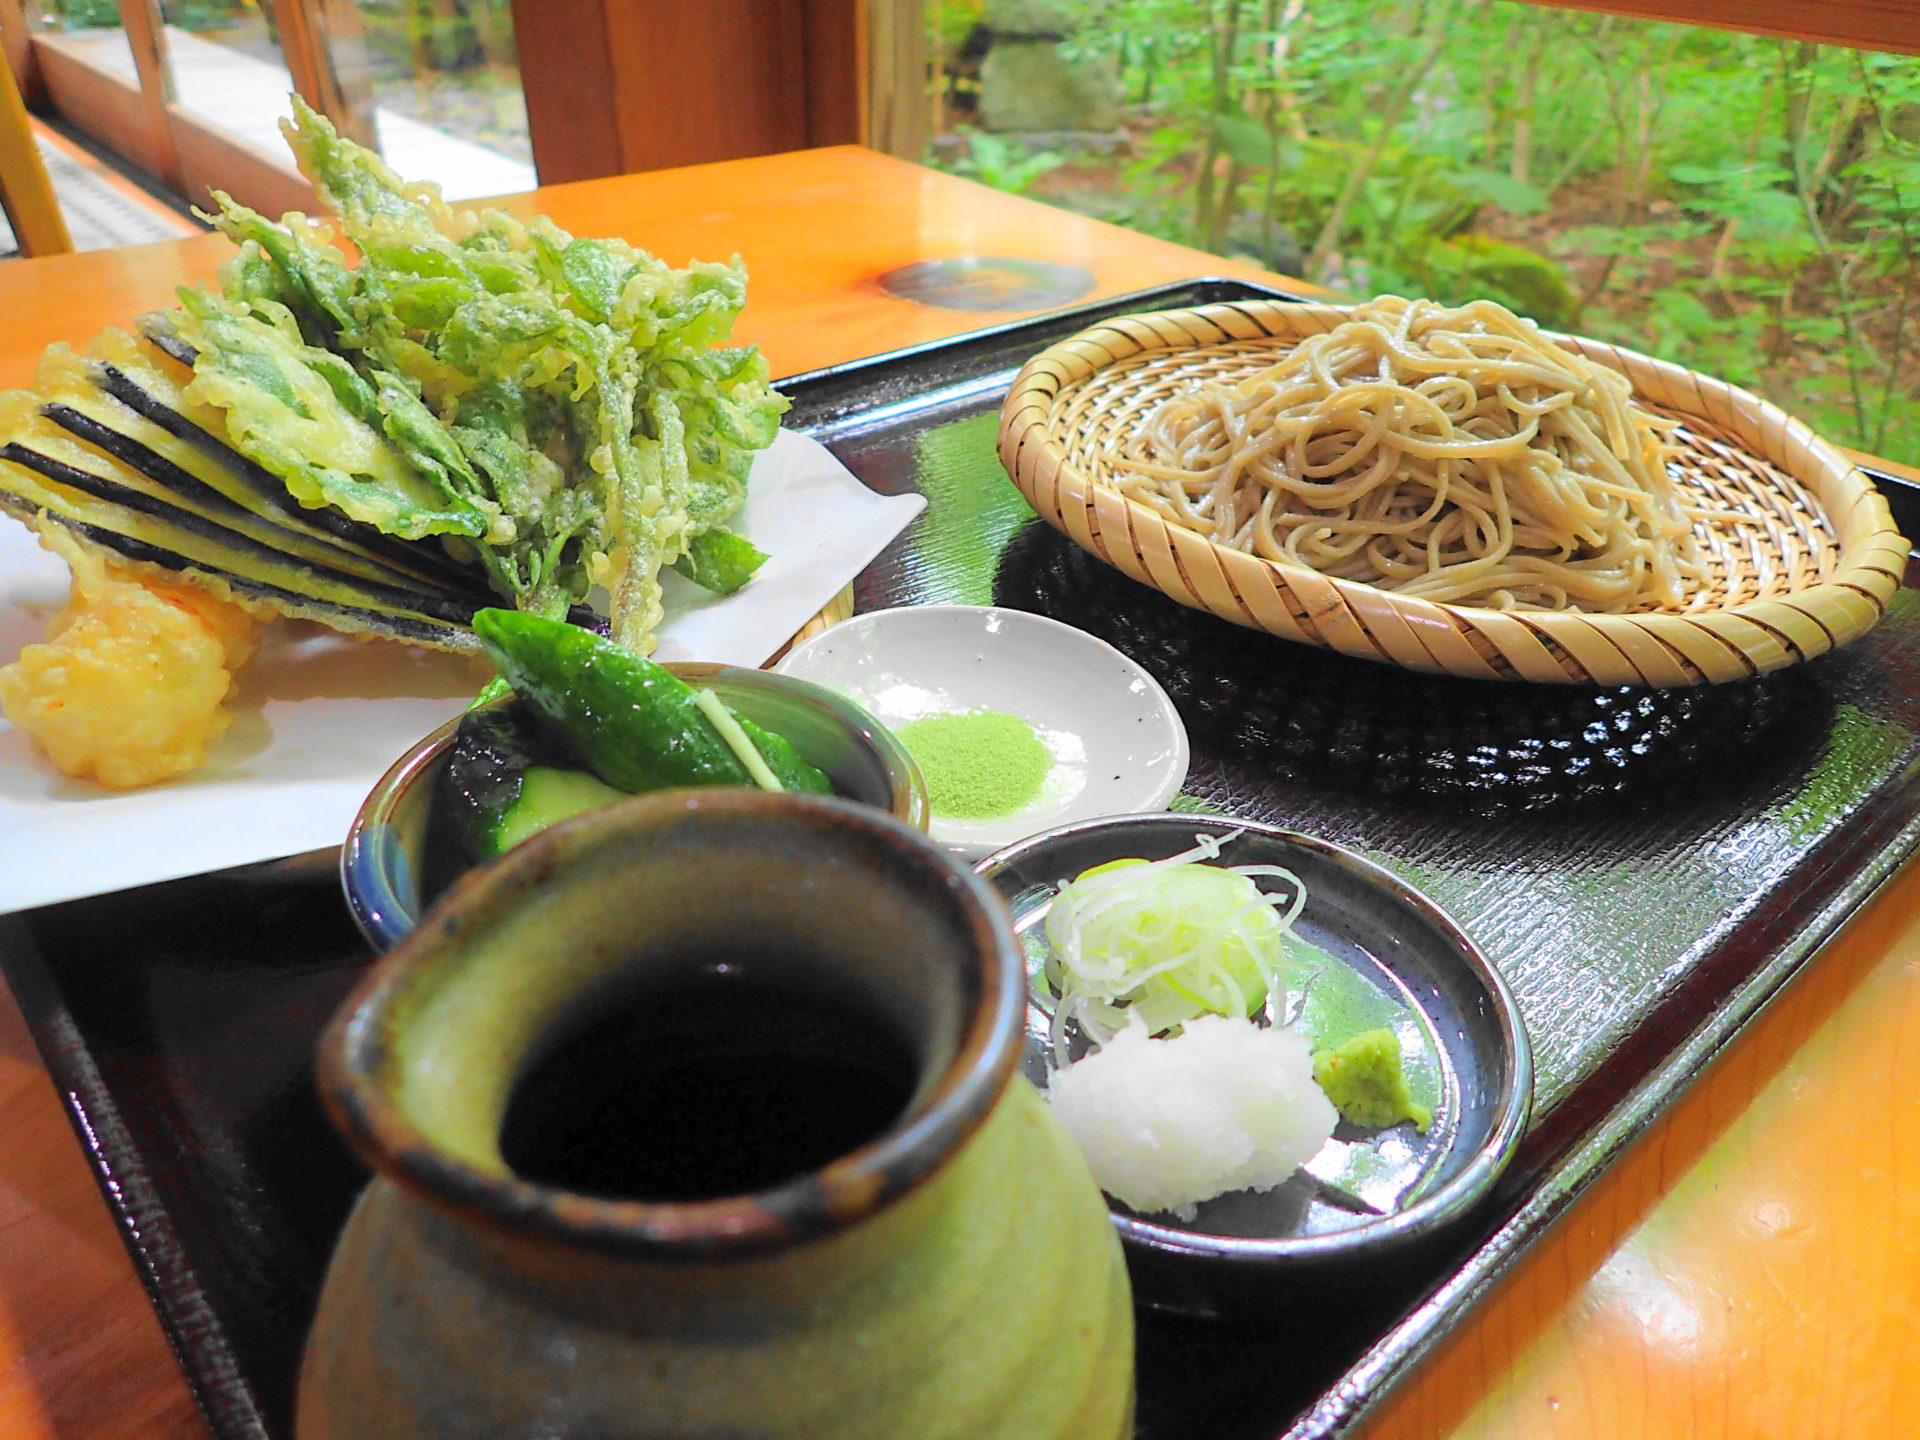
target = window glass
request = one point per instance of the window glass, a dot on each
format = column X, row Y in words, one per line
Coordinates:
column 92, row 30
column 439, row 77
column 1745, row 206
column 447, row 85
column 227, row 68
column 71, row 15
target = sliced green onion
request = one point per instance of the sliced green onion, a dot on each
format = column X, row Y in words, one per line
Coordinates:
column 1164, row 942
column 738, row 741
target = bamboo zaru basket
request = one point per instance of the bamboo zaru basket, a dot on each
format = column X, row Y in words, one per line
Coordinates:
column 1803, row 555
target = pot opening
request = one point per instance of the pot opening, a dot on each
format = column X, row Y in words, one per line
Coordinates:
column 723, row 1072
column 719, row 1019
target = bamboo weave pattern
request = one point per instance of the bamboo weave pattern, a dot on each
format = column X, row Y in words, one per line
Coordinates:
column 1807, row 561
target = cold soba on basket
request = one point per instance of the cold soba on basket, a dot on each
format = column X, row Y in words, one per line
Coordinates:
column 1452, row 491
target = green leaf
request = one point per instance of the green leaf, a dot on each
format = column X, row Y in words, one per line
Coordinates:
column 720, row 561
column 1244, row 139
column 1516, row 197
column 569, row 379
column 1704, row 174
column 305, row 415
column 596, row 276
column 313, row 281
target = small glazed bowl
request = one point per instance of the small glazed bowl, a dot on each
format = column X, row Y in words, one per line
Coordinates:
column 1117, row 743
column 1371, row 1200
column 384, row 857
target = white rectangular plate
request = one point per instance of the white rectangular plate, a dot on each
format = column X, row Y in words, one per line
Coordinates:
column 319, row 717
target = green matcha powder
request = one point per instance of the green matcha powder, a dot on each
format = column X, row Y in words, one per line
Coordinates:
column 978, row 764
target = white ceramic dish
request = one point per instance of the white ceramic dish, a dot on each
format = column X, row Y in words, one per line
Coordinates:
column 1117, row 743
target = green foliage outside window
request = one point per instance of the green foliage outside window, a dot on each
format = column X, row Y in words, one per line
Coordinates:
column 84, row 14
column 1745, row 206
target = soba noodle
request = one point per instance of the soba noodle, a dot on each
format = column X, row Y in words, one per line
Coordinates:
column 1453, row 454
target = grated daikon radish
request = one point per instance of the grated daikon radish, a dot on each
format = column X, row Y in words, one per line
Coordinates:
column 1225, row 1105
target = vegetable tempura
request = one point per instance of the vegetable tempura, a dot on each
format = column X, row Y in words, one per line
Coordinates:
column 481, row 410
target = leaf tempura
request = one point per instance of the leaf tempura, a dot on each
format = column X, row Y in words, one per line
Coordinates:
column 558, row 402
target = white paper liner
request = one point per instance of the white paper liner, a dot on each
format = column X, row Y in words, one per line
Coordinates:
column 319, row 717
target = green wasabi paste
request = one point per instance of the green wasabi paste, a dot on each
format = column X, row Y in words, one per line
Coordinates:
column 1364, row 1080
column 978, row 764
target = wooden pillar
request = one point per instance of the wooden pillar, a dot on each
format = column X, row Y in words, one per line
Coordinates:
column 568, row 74
column 147, row 39
column 618, row 86
column 26, row 194
column 898, row 118
column 838, row 43
column 18, row 20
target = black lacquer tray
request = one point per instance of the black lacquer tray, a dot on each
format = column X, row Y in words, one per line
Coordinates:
column 1647, row 868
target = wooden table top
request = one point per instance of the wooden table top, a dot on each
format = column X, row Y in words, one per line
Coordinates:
column 816, row 228
column 1745, row 1270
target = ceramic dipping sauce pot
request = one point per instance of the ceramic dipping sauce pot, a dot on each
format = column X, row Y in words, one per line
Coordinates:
column 697, row 1117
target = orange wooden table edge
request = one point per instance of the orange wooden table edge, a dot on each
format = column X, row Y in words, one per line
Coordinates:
column 1587, row 1338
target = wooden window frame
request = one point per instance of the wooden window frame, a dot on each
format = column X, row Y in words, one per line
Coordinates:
column 612, row 86
column 168, row 142
column 1892, row 25
column 142, row 122
column 616, row 86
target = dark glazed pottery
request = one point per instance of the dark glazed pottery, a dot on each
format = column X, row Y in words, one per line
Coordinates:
column 953, row 1276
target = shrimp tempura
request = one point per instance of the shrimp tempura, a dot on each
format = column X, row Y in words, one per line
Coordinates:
column 130, row 686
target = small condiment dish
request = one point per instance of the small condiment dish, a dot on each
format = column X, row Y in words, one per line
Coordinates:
column 1373, row 1204
column 385, row 855
column 1117, row 744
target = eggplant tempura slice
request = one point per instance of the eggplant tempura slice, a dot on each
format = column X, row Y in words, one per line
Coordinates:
column 85, row 468
column 94, row 403
column 148, row 382
column 309, row 417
